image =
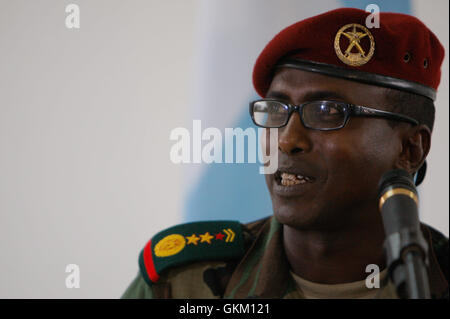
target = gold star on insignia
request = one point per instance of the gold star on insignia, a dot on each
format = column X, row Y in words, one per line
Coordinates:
column 193, row 239
column 355, row 38
column 206, row 237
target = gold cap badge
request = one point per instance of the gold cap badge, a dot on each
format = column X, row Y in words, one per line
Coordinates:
column 354, row 54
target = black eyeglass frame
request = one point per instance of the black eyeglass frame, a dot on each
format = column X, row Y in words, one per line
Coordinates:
column 349, row 109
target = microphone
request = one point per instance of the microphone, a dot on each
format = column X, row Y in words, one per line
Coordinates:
column 405, row 246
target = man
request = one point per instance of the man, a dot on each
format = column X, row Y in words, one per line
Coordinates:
column 350, row 103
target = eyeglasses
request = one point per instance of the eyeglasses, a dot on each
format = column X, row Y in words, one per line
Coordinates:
column 316, row 115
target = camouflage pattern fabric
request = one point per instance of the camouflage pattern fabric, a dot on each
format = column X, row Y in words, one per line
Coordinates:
column 262, row 271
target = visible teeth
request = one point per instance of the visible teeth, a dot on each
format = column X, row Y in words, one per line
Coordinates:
column 286, row 182
column 288, row 176
column 291, row 179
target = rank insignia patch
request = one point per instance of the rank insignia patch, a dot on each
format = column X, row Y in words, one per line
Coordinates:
column 181, row 244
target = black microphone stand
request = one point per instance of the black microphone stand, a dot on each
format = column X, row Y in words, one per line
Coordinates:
column 407, row 266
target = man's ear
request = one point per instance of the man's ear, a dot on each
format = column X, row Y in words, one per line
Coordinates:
column 416, row 143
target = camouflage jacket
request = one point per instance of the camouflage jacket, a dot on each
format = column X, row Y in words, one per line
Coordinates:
column 232, row 260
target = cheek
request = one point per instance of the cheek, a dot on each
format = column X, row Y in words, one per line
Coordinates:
column 359, row 159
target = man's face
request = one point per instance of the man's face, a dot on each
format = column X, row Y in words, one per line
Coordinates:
column 342, row 167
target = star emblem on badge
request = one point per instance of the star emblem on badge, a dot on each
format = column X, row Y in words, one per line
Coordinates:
column 193, row 239
column 220, row 236
column 206, row 237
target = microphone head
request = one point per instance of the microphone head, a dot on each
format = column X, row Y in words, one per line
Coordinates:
column 396, row 178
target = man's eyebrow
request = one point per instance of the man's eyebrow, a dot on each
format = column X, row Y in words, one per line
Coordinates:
column 277, row 95
column 308, row 96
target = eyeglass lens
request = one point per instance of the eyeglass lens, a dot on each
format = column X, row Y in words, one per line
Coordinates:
column 316, row 114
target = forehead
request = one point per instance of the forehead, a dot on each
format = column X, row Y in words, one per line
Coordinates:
column 299, row 86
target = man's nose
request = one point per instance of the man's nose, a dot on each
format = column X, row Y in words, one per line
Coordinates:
column 293, row 138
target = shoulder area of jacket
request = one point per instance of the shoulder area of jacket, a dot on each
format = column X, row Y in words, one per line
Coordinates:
column 194, row 246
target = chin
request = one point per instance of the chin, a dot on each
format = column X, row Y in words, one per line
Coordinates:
column 306, row 215
column 300, row 218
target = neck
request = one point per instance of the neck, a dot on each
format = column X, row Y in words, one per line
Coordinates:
column 336, row 256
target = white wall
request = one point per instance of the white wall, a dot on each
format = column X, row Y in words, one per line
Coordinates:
column 433, row 196
column 85, row 117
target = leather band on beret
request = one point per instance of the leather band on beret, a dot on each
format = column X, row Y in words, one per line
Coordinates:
column 360, row 76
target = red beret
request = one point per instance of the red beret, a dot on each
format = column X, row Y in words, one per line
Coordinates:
column 402, row 53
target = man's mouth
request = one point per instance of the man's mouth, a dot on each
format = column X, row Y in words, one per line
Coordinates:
column 290, row 179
